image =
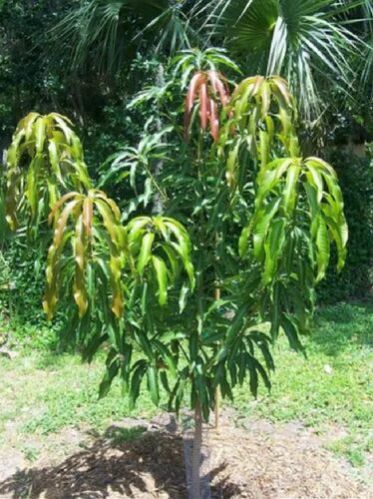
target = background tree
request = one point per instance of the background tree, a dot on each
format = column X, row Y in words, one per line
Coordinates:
column 300, row 40
column 303, row 41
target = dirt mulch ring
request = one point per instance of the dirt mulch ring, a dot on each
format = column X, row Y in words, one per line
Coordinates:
column 262, row 460
column 265, row 460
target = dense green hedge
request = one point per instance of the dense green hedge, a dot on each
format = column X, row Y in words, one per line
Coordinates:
column 21, row 281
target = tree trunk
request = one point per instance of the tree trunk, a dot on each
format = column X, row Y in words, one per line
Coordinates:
column 217, row 391
column 217, row 409
column 195, row 486
column 157, row 200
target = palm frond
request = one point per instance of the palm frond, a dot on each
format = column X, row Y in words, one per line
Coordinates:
column 174, row 28
column 302, row 40
column 94, row 26
column 102, row 32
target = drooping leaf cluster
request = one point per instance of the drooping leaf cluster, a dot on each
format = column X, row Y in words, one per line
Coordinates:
column 44, row 159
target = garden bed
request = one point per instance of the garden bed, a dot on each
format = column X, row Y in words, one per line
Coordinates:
column 57, row 440
column 133, row 458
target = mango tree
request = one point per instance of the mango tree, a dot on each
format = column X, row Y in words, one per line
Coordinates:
column 189, row 301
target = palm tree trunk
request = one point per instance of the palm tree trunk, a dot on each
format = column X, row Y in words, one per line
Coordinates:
column 195, row 486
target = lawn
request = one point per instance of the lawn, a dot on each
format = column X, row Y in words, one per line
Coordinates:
column 43, row 393
column 331, row 391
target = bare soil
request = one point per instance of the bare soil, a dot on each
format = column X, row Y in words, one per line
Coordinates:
column 137, row 459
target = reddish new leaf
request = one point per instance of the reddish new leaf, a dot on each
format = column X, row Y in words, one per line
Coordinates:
column 219, row 87
column 194, row 86
column 204, row 103
column 214, row 120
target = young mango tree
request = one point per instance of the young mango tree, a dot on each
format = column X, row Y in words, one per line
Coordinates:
column 190, row 300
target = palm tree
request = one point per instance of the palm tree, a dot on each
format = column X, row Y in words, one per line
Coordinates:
column 366, row 31
column 312, row 43
column 102, row 34
column 307, row 41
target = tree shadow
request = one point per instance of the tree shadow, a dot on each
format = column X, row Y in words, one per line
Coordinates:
column 343, row 325
column 224, row 488
column 128, row 462
column 133, row 462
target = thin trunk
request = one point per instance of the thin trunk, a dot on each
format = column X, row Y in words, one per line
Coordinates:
column 217, row 391
column 158, row 206
column 195, row 486
column 217, row 408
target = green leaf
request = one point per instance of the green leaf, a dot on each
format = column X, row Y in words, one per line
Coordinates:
column 263, row 341
column 153, row 387
column 231, row 174
column 91, row 348
column 145, row 252
column 39, row 135
column 273, row 248
column 161, row 275
column 291, row 330
column 251, row 367
column 258, row 366
column 290, row 191
column 111, row 372
column 263, row 219
column 243, row 242
column 166, row 355
column 139, row 370
column 323, row 248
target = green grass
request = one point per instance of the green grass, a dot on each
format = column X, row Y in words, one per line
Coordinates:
column 48, row 392
column 352, row 447
column 43, row 393
column 120, row 435
column 330, row 391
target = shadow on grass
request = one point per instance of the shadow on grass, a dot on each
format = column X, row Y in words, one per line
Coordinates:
column 343, row 326
column 125, row 462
